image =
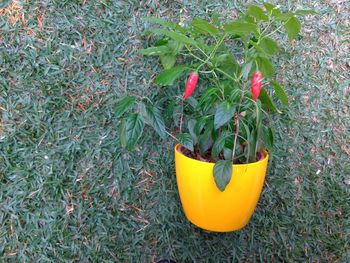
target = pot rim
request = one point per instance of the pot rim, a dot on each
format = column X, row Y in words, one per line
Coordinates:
column 211, row 164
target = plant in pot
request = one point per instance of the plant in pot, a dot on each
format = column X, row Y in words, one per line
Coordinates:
column 219, row 118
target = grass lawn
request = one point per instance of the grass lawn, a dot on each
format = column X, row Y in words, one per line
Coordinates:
column 68, row 192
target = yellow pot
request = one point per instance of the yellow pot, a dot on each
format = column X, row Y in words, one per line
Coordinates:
column 209, row 208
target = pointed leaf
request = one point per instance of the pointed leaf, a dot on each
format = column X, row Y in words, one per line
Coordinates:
column 280, row 92
column 168, row 76
column 222, row 173
column 174, row 35
column 227, row 154
column 154, row 118
column 257, row 12
column 190, row 125
column 198, row 127
column 167, row 61
column 206, row 139
column 186, row 141
column 204, row 26
column 265, row 67
column 272, row 9
column 292, row 27
column 306, row 12
column 267, row 46
column 246, row 69
column 154, row 51
column 228, row 64
column 241, row 28
column 208, row 99
column 224, row 112
column 219, row 144
column 267, row 101
column 123, row 105
column 177, row 111
column 134, row 128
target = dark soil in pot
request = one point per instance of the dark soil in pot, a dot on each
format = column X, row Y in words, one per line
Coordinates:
column 207, row 156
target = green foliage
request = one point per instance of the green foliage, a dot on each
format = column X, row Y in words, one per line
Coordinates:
column 69, row 193
column 222, row 173
column 292, row 27
column 186, row 141
column 224, row 113
column 224, row 122
column 153, row 117
column 123, row 105
column 168, row 76
column 133, row 129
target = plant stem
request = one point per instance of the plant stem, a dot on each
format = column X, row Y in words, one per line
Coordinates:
column 227, row 75
column 237, row 125
column 172, row 136
column 182, row 114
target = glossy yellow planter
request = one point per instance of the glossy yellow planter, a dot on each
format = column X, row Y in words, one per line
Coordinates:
column 207, row 207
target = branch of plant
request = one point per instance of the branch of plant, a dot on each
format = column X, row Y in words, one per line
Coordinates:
column 227, row 75
column 171, row 135
column 273, row 32
column 182, row 115
column 237, row 124
column 212, row 54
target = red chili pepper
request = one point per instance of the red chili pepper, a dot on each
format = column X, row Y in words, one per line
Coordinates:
column 191, row 84
column 256, row 84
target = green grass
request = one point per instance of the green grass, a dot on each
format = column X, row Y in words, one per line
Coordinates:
column 68, row 192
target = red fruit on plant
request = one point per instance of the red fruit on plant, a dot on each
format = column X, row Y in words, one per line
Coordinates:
column 191, row 84
column 256, row 84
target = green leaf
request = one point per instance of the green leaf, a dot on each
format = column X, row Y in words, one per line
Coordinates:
column 177, row 112
column 168, row 76
column 206, row 139
column 186, row 141
column 281, row 94
column 175, row 47
column 246, row 69
column 134, row 128
column 257, row 12
column 265, row 67
column 167, row 61
column 190, row 125
column 219, row 144
column 204, row 26
column 292, row 27
column 208, row 99
column 222, row 173
column 228, row 64
column 224, row 112
column 154, row 118
column 306, row 12
column 241, row 28
column 284, row 17
column 228, row 154
column 200, row 124
column 122, row 134
column 174, row 35
column 123, row 105
column 272, row 9
column 154, row 51
column 267, row 101
column 267, row 46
